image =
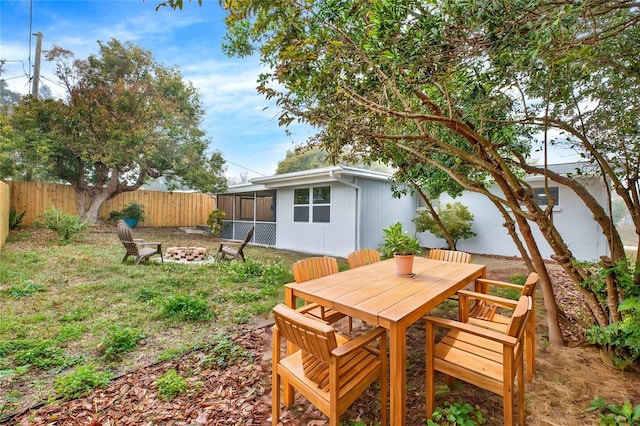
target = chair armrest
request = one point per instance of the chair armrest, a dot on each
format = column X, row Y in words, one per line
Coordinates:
column 359, row 342
column 472, row 329
column 144, row 243
column 498, row 283
column 500, row 301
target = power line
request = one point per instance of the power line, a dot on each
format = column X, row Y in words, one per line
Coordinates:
column 243, row 167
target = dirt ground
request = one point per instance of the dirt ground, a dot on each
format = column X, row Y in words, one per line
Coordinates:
column 566, row 380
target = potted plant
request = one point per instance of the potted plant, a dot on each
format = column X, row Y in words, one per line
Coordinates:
column 402, row 246
column 132, row 213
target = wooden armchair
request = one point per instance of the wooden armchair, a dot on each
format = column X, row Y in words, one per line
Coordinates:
column 312, row 268
column 481, row 309
column 135, row 246
column 363, row 257
column 235, row 253
column 328, row 369
column 486, row 358
column 450, row 255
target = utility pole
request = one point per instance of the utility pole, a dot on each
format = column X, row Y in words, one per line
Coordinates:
column 36, row 69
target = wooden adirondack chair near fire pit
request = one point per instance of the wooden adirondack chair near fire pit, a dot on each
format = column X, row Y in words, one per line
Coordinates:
column 136, row 247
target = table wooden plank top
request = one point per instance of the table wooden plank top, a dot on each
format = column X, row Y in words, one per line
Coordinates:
column 374, row 293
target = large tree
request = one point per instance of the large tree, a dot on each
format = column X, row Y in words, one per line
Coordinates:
column 125, row 119
column 464, row 86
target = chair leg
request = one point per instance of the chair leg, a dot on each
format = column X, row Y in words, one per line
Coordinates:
column 521, row 385
column 507, row 395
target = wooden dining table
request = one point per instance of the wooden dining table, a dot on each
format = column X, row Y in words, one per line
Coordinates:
column 376, row 295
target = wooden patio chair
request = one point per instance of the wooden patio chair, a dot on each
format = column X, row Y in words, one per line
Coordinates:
column 363, row 257
column 485, row 358
column 136, row 247
column 329, row 370
column 235, row 253
column 482, row 309
column 450, row 255
column 312, row 268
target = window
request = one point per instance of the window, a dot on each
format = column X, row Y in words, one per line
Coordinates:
column 312, row 204
column 540, row 196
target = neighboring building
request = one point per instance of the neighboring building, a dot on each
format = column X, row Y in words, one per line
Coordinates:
column 330, row 211
column 335, row 210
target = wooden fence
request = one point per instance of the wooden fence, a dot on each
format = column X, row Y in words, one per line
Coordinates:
column 5, row 205
column 160, row 208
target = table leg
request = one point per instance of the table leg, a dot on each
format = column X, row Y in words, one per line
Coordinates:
column 398, row 372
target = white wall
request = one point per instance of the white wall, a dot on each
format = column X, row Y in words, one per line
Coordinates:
column 336, row 238
column 572, row 219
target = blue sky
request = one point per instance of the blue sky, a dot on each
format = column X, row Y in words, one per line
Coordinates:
column 239, row 122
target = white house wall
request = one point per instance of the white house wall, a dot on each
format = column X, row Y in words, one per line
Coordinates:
column 572, row 219
column 380, row 209
column 336, row 238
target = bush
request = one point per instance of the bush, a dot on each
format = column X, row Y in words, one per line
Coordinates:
column 457, row 413
column 456, row 218
column 613, row 414
column 68, row 226
column 132, row 210
column 215, row 221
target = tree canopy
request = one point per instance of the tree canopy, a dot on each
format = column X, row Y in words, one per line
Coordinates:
column 469, row 89
column 125, row 119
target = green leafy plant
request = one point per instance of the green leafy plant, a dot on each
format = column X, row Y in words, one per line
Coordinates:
column 68, row 226
column 15, row 218
column 222, row 351
column 458, row 413
column 25, row 290
column 215, row 221
column 132, row 210
column 119, row 341
column 613, row 414
column 396, row 241
column 186, row 307
column 170, row 385
column 81, row 380
column 456, row 218
column 620, row 340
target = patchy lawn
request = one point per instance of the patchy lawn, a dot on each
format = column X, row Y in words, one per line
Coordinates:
column 225, row 359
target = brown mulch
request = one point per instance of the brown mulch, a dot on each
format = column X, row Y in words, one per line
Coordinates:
column 566, row 380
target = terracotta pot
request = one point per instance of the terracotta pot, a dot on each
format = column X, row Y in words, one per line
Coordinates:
column 404, row 264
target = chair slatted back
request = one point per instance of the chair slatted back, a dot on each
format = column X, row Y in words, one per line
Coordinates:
column 247, row 238
column 314, row 338
column 450, row 256
column 363, row 257
column 314, row 267
column 126, row 237
column 518, row 321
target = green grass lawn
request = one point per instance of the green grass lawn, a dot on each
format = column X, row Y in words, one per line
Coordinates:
column 77, row 305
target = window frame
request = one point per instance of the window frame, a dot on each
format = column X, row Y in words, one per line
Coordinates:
column 312, row 208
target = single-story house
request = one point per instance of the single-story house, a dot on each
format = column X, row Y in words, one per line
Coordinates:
column 335, row 210
column 328, row 211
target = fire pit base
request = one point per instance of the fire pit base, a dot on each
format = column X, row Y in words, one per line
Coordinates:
column 186, row 254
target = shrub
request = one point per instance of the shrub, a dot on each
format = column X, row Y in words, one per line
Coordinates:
column 215, row 221
column 68, row 226
column 170, row 385
column 80, row 381
column 456, row 218
column 132, row 210
column 15, row 218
